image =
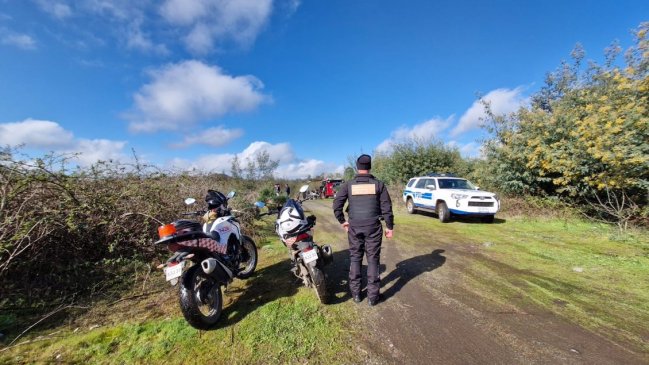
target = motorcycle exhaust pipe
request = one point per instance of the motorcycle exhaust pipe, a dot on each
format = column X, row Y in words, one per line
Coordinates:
column 327, row 254
column 217, row 270
column 209, row 265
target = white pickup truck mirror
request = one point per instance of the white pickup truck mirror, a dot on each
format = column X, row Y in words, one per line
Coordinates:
column 430, row 187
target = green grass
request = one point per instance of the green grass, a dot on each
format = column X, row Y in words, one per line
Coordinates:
column 267, row 319
column 584, row 272
column 523, row 263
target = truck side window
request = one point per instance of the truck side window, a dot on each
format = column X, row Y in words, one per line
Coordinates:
column 421, row 184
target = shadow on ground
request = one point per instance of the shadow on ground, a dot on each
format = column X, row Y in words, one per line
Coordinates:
column 409, row 269
column 276, row 281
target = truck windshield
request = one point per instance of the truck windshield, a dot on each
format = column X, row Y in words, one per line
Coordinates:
column 455, row 184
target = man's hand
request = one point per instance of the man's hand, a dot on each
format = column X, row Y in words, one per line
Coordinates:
column 388, row 233
column 345, row 226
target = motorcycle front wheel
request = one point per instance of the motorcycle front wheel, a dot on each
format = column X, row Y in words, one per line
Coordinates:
column 248, row 258
column 319, row 283
column 201, row 301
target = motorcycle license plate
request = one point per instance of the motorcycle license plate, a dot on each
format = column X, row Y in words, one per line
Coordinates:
column 172, row 272
column 310, row 256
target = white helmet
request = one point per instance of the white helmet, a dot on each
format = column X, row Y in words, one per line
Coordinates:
column 291, row 220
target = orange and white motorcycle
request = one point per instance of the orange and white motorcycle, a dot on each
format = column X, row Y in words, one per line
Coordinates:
column 204, row 259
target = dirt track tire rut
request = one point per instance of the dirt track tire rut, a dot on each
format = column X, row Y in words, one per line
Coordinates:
column 429, row 317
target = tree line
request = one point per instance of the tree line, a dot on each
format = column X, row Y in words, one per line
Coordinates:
column 582, row 138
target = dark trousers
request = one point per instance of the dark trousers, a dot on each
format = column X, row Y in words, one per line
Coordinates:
column 365, row 240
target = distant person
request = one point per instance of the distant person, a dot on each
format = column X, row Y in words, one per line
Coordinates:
column 288, row 191
column 277, row 189
column 369, row 201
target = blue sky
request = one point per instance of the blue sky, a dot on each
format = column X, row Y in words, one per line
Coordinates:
column 192, row 83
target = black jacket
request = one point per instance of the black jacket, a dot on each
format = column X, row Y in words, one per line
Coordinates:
column 381, row 198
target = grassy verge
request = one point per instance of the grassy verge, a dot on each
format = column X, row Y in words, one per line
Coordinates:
column 584, row 272
column 267, row 319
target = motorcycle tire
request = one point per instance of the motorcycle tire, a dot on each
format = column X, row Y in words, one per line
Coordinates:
column 319, row 283
column 201, row 301
column 248, row 258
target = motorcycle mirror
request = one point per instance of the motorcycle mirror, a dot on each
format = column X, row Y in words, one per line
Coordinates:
column 260, row 204
column 190, row 201
column 304, row 188
column 231, row 195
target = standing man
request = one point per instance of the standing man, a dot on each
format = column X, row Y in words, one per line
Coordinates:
column 288, row 191
column 369, row 201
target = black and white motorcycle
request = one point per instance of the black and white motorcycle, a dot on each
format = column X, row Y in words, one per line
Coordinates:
column 205, row 258
column 309, row 258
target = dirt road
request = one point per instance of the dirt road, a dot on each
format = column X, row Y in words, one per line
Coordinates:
column 431, row 316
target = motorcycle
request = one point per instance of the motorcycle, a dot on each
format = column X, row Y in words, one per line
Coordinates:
column 205, row 258
column 309, row 258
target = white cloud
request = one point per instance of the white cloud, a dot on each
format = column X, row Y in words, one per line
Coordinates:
column 470, row 150
column 289, row 165
column 137, row 39
column 50, row 136
column 182, row 94
column 312, row 167
column 213, row 137
column 282, row 152
column 35, row 134
column 57, row 9
column 22, row 41
column 502, row 101
column 210, row 21
column 118, row 9
column 93, row 150
column 427, row 130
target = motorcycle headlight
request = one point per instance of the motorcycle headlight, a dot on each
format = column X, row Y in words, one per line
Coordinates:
column 459, row 196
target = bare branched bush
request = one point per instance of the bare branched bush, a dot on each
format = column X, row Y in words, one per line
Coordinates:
column 614, row 205
column 73, row 232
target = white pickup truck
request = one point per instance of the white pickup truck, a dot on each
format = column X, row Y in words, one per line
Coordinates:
column 448, row 195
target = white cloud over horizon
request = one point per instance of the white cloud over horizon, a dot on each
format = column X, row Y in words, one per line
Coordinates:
column 51, row 136
column 289, row 165
column 428, row 130
column 501, row 101
column 185, row 93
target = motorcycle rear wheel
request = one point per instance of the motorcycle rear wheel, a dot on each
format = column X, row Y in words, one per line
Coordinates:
column 319, row 283
column 248, row 258
column 201, row 301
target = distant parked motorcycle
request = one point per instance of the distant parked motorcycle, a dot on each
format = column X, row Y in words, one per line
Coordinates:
column 309, row 259
column 206, row 257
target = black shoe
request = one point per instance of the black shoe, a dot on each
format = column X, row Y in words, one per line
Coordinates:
column 357, row 298
column 374, row 301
